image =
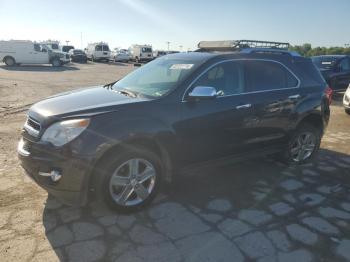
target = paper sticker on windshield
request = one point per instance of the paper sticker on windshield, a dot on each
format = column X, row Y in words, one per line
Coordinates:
column 181, row 66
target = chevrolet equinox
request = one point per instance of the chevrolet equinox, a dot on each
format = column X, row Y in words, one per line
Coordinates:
column 116, row 143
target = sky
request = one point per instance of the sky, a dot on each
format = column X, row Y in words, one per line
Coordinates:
column 183, row 23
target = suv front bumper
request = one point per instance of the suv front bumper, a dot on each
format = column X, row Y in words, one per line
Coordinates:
column 40, row 159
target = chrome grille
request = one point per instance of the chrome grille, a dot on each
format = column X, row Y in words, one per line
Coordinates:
column 32, row 127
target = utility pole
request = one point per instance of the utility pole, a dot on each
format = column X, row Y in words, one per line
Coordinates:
column 81, row 40
column 168, row 43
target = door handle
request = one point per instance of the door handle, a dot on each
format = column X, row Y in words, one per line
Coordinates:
column 243, row 106
column 294, row 96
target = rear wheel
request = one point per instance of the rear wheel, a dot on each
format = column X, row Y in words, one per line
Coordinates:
column 303, row 145
column 129, row 180
column 347, row 110
column 10, row 61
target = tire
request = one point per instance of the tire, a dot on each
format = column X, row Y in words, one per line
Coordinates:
column 56, row 62
column 347, row 110
column 10, row 61
column 125, row 192
column 92, row 58
column 303, row 145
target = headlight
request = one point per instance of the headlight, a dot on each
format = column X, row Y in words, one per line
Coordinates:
column 63, row 132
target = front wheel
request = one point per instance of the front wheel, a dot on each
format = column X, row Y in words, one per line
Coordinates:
column 56, row 62
column 129, row 180
column 303, row 145
column 347, row 110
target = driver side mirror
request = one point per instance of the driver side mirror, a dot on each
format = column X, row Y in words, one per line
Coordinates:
column 202, row 92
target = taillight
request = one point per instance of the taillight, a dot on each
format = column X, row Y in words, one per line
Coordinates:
column 329, row 93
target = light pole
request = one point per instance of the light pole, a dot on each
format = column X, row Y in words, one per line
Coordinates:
column 168, row 43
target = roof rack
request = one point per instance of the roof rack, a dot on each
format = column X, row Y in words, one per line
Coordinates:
column 239, row 44
column 246, row 46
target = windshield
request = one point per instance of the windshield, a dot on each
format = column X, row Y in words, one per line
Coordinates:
column 54, row 46
column 147, row 49
column 66, row 48
column 324, row 62
column 78, row 51
column 156, row 78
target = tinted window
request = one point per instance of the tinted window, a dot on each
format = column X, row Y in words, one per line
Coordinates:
column 227, row 78
column 265, row 75
column 98, row 48
column 344, row 65
column 105, row 48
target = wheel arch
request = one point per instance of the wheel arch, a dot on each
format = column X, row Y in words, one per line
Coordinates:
column 146, row 143
column 314, row 119
column 8, row 56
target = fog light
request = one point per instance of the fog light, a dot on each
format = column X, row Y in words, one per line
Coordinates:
column 54, row 174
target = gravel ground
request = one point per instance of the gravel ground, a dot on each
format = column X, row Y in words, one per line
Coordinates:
column 255, row 210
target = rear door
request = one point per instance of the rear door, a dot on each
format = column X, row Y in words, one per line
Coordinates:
column 274, row 93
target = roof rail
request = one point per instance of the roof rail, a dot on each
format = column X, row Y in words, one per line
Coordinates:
column 269, row 50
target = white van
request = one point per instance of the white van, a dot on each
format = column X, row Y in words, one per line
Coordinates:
column 16, row 52
column 141, row 53
column 98, row 51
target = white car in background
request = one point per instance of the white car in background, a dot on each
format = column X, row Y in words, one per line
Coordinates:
column 16, row 52
column 346, row 100
column 98, row 51
column 120, row 55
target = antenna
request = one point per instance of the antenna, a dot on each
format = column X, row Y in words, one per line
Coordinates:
column 168, row 43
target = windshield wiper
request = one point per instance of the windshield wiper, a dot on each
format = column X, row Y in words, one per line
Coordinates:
column 127, row 93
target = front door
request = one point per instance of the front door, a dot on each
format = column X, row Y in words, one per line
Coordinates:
column 39, row 55
column 218, row 126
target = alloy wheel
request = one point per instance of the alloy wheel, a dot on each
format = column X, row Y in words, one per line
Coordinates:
column 132, row 182
column 303, row 146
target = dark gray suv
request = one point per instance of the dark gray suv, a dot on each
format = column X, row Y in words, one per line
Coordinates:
column 229, row 99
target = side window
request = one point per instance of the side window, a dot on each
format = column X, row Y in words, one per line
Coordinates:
column 267, row 75
column 37, row 48
column 344, row 65
column 227, row 78
column 98, row 48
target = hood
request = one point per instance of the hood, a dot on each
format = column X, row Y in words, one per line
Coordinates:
column 87, row 101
